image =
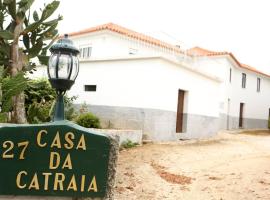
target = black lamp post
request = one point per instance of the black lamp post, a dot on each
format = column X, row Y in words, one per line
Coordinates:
column 63, row 69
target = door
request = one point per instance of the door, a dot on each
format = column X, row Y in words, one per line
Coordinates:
column 180, row 111
column 269, row 119
column 241, row 115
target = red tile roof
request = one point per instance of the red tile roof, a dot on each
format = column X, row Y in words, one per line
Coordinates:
column 195, row 51
column 198, row 51
column 129, row 33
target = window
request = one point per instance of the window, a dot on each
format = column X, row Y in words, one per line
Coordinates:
column 230, row 78
column 90, row 88
column 133, row 51
column 244, row 77
column 258, row 84
column 85, row 52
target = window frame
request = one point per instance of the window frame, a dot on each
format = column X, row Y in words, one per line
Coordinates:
column 85, row 51
column 244, row 80
column 230, row 77
column 90, row 88
column 132, row 51
column 258, row 84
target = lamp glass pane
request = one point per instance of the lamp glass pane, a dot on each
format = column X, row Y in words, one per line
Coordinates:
column 64, row 66
column 52, row 66
column 75, row 69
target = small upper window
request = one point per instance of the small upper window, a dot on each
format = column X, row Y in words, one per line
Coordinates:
column 230, row 78
column 258, row 84
column 244, row 77
column 85, row 52
column 133, row 51
column 90, row 88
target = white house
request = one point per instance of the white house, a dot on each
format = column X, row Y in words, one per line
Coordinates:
column 244, row 91
column 133, row 81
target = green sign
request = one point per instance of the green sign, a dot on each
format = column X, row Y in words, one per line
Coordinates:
column 54, row 159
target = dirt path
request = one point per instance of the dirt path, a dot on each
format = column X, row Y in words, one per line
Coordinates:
column 231, row 167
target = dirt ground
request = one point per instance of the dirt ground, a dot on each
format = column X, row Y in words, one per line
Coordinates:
column 227, row 167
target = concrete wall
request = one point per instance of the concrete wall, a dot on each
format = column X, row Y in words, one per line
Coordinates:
column 199, row 126
column 134, row 136
column 231, row 122
column 248, row 123
column 157, row 125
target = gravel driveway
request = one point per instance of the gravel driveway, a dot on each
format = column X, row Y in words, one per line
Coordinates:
column 229, row 166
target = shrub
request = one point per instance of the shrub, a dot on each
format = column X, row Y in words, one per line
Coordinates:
column 39, row 112
column 128, row 144
column 40, row 101
column 39, row 98
column 88, row 120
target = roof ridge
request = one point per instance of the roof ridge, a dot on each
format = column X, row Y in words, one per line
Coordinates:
column 206, row 52
column 195, row 51
column 129, row 33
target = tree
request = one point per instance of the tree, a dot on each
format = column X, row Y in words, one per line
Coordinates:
column 22, row 37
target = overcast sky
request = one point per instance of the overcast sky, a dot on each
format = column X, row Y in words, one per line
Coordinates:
column 237, row 26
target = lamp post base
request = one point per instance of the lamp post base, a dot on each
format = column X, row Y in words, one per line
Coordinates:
column 59, row 112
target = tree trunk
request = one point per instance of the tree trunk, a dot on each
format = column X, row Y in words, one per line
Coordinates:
column 18, row 114
column 16, row 65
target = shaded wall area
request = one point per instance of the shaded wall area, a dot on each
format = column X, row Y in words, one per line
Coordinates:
column 157, row 125
column 229, row 122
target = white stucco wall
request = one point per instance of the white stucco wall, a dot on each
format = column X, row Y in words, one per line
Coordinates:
column 146, row 83
column 110, row 44
column 257, row 104
column 218, row 67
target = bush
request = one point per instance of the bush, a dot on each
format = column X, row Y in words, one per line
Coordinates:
column 40, row 101
column 88, row 120
column 39, row 98
column 39, row 112
column 128, row 144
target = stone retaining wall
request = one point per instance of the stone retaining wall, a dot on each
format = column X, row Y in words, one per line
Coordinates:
column 134, row 136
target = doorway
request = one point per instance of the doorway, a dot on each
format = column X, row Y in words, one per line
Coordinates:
column 241, row 115
column 180, row 111
column 268, row 124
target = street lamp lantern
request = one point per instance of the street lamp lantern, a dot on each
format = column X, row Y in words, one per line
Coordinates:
column 63, row 64
column 63, row 69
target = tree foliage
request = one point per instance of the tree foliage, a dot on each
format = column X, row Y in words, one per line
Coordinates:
column 9, row 86
column 22, row 38
column 18, row 23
